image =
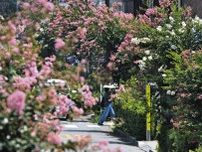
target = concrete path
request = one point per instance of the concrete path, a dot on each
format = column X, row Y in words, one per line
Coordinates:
column 82, row 126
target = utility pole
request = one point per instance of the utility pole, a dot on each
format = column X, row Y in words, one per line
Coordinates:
column 148, row 117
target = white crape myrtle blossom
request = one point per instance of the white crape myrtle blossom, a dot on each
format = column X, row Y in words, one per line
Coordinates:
column 197, row 20
column 174, row 47
column 181, row 30
column 41, row 29
column 135, row 41
column 147, row 52
column 24, row 129
column 184, row 24
column 144, row 58
column 164, row 75
column 8, row 137
column 5, row 121
column 172, row 33
column 36, row 35
column 2, row 18
column 74, row 91
column 159, row 28
column 141, row 65
column 168, row 92
column 145, row 40
column 171, row 19
column 172, row 93
column 150, row 58
column 169, row 26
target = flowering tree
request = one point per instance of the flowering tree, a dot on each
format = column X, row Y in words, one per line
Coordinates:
column 167, row 35
column 26, row 98
column 82, row 20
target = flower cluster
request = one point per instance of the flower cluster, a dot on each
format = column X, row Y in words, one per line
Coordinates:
column 87, row 97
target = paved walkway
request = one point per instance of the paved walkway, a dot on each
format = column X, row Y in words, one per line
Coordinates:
column 98, row 133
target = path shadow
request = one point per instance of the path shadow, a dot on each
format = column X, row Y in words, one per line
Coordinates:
column 88, row 131
column 120, row 143
column 125, row 138
column 73, row 121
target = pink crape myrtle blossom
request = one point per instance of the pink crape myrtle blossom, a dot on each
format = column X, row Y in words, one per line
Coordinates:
column 2, row 79
column 110, row 65
column 82, row 140
column 151, row 11
column 199, row 97
column 46, row 70
column 12, row 27
column 25, row 5
column 12, row 41
column 49, row 6
column 144, row 19
column 89, row 100
column 24, row 83
column 77, row 111
column 64, row 104
column 54, row 138
column 54, row 124
column 82, row 32
column 125, row 16
column 31, row 69
column 41, row 1
column 16, row 101
column 59, row 43
column 16, row 50
column 41, row 98
column 165, row 3
column 103, row 146
column 112, row 57
column 125, row 43
column 82, row 79
column 3, row 91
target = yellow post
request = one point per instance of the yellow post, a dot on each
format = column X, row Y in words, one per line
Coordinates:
column 148, row 119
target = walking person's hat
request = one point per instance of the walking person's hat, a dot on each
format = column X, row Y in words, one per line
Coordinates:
column 110, row 86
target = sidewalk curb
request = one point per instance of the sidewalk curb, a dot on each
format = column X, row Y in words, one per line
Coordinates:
column 126, row 136
column 146, row 147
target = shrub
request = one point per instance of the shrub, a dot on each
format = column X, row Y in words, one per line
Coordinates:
column 130, row 107
column 185, row 80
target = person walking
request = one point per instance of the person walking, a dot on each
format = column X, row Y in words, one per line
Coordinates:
column 107, row 106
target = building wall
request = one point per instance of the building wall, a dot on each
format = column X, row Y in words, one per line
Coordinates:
column 196, row 6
